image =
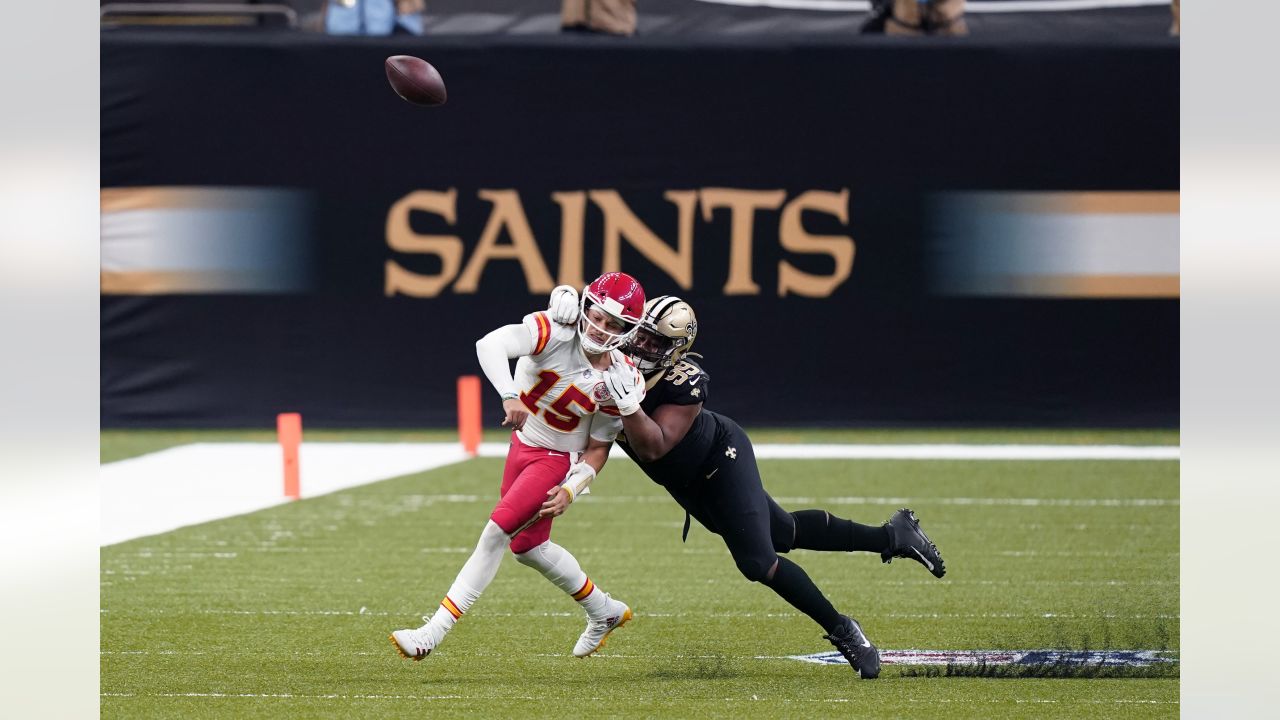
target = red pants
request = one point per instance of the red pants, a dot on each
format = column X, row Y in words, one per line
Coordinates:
column 530, row 472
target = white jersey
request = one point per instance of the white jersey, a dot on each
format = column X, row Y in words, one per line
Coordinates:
column 565, row 395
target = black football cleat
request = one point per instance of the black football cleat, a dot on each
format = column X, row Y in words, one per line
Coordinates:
column 907, row 540
column 856, row 648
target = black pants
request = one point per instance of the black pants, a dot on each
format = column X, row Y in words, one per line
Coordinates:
column 729, row 500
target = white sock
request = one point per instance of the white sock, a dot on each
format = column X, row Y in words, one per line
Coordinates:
column 562, row 569
column 472, row 579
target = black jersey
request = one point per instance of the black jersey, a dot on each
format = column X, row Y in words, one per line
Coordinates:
column 684, row 384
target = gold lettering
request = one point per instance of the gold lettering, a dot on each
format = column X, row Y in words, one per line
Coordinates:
column 793, row 237
column 686, row 202
column 742, row 206
column 573, row 212
column 402, row 238
column 620, row 222
column 507, row 213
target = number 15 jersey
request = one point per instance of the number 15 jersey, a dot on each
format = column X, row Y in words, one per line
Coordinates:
column 564, row 394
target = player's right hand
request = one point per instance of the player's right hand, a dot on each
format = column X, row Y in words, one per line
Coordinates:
column 516, row 413
column 558, row 499
column 625, row 385
column 563, row 306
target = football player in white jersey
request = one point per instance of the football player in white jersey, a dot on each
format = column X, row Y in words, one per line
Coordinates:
column 564, row 423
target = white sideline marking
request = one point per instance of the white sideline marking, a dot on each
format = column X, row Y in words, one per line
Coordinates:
column 968, row 452
column 201, row 482
column 197, row 483
column 604, row 499
column 304, row 696
column 816, row 451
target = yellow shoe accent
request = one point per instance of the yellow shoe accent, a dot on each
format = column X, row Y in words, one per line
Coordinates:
column 402, row 653
column 396, row 645
column 626, row 617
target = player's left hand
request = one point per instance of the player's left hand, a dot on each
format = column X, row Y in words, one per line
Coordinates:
column 557, row 502
column 514, row 413
column 563, row 306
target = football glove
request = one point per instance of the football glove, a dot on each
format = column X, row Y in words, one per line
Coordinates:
column 578, row 480
column 563, row 306
column 625, row 386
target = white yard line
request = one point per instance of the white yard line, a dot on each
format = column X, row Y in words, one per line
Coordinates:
column 198, row 483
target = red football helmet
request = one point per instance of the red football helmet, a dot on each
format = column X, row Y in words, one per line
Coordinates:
column 620, row 297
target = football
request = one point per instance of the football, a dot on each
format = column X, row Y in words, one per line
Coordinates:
column 415, row 80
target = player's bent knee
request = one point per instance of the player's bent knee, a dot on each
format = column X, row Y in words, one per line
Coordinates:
column 505, row 519
column 493, row 536
column 756, row 568
column 783, row 537
column 532, row 557
column 523, row 544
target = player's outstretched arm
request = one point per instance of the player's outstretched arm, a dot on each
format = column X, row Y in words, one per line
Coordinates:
column 653, row 437
column 649, row 437
column 495, row 352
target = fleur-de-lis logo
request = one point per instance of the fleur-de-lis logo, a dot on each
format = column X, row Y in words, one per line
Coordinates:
column 732, row 453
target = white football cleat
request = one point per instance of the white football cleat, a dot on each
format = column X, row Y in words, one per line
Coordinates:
column 597, row 631
column 414, row 644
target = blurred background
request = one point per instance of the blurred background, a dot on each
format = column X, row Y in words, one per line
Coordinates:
column 886, row 215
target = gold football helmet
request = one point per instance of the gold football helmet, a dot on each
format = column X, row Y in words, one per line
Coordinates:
column 667, row 330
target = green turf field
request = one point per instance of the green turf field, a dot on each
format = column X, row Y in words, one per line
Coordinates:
column 285, row 612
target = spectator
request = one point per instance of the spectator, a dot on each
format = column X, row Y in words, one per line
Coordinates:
column 373, row 17
column 916, row 17
column 609, row 17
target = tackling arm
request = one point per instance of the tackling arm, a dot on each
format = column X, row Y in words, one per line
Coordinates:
column 653, row 437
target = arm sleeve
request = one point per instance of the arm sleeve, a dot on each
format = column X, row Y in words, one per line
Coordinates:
column 495, row 352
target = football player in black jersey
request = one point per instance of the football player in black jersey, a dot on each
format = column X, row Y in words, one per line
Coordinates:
column 706, row 462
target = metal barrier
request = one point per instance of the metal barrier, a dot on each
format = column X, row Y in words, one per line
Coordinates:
column 195, row 9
